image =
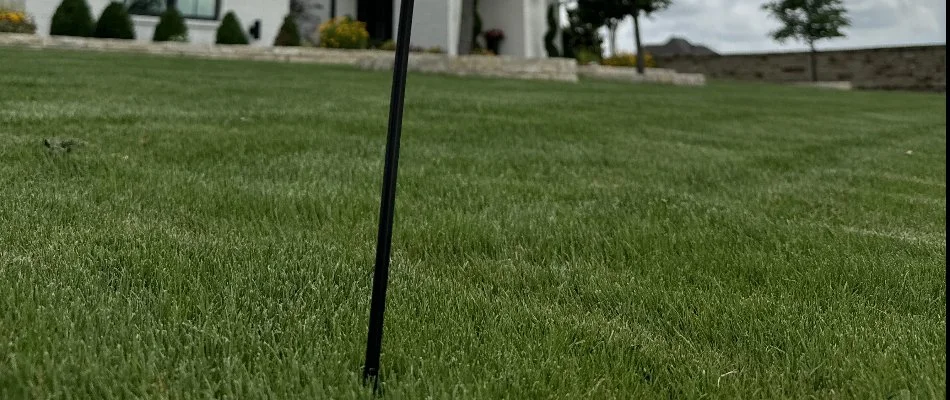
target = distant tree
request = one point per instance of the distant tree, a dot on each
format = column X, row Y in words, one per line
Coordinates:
column 115, row 23
column 606, row 13
column 230, row 30
column 580, row 39
column 289, row 34
column 647, row 7
column 72, row 18
column 808, row 21
column 610, row 13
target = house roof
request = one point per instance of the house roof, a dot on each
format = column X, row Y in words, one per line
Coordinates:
column 678, row 47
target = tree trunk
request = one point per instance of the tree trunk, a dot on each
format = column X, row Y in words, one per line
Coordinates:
column 466, row 27
column 814, row 62
column 636, row 39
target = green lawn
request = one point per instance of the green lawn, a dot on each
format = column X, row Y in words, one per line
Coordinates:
column 214, row 237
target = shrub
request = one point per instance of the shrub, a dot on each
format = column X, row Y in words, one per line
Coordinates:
column 230, row 30
column 435, row 50
column 114, row 23
column 586, row 55
column 389, row 45
column 72, row 18
column 15, row 21
column 344, row 33
column 288, row 35
column 171, row 27
column 628, row 60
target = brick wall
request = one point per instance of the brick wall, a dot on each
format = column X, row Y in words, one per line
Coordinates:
column 896, row 68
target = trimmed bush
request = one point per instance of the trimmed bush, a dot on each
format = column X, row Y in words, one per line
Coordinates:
column 628, row 60
column 114, row 23
column 72, row 18
column 389, row 45
column 171, row 27
column 344, row 33
column 289, row 34
column 15, row 21
column 587, row 56
column 230, row 31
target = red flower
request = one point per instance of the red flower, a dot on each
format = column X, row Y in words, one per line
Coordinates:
column 495, row 34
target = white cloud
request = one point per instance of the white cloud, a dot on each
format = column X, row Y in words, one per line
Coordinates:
column 737, row 26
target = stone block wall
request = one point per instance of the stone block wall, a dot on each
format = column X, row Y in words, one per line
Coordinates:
column 901, row 68
column 556, row 69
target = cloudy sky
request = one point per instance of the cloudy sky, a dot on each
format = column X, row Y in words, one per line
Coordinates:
column 737, row 26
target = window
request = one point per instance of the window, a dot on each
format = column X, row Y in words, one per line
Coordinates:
column 193, row 9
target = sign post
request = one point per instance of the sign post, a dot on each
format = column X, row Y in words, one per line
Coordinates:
column 387, row 204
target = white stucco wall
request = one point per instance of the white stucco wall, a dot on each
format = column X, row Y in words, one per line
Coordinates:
column 523, row 21
column 435, row 23
column 343, row 7
column 509, row 16
column 270, row 12
column 537, row 25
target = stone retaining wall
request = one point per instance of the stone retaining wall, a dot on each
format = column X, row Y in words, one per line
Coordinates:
column 904, row 68
column 555, row 69
column 650, row 75
column 503, row 67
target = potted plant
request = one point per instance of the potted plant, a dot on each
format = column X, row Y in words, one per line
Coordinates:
column 493, row 40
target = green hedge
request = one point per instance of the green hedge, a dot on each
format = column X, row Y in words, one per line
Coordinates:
column 114, row 23
column 171, row 27
column 289, row 34
column 72, row 18
column 230, row 30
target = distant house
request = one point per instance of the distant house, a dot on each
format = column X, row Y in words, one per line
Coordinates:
column 201, row 16
column 678, row 47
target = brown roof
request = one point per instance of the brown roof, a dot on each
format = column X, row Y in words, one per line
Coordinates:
column 678, row 47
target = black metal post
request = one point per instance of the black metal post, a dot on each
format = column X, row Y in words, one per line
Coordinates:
column 387, row 204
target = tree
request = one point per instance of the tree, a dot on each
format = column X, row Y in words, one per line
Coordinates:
column 115, row 23
column 72, row 18
column 289, row 34
column 610, row 13
column 230, row 30
column 580, row 39
column 808, row 21
column 607, row 13
column 647, row 7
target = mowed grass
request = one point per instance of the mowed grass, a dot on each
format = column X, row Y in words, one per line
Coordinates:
column 215, row 236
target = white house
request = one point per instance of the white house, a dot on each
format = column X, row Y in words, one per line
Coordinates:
column 436, row 23
column 201, row 16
